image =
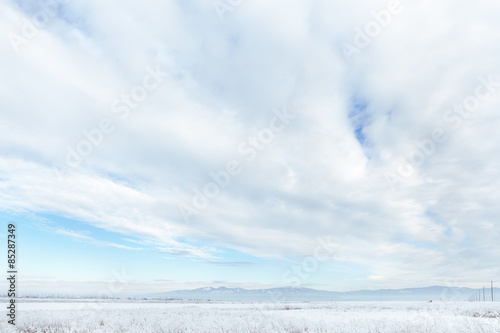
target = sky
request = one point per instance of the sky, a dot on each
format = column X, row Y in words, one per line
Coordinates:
column 177, row 144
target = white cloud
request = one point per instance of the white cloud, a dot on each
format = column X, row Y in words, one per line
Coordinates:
column 261, row 57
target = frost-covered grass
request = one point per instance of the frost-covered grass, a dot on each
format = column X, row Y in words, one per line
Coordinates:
column 369, row 317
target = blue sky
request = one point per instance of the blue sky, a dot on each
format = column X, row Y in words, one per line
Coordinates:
column 63, row 252
column 191, row 147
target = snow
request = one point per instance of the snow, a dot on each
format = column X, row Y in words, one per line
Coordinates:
column 347, row 317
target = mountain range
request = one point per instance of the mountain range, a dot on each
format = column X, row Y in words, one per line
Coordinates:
column 437, row 293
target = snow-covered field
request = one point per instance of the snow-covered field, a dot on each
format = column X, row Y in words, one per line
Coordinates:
column 346, row 317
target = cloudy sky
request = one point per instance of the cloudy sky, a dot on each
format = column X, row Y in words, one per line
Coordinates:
column 171, row 144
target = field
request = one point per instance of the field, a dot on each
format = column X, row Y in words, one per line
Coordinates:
column 360, row 317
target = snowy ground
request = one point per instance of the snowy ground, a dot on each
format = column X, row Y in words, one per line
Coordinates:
column 346, row 317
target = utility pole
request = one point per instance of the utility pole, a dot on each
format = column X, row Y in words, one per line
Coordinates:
column 492, row 291
column 484, row 300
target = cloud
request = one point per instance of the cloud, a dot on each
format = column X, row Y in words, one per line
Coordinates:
column 325, row 173
column 228, row 263
column 85, row 238
column 187, row 252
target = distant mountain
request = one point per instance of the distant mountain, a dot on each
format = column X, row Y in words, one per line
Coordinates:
column 437, row 293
